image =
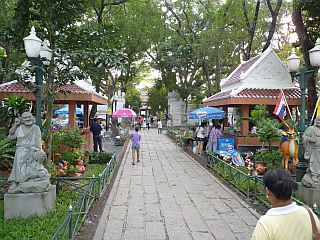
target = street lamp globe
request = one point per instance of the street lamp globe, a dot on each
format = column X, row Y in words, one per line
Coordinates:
column 293, row 62
column 314, row 54
column 32, row 44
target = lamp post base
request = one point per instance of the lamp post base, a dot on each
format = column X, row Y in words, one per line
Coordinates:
column 301, row 171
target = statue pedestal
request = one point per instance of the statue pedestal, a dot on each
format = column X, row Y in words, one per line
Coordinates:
column 309, row 196
column 23, row 205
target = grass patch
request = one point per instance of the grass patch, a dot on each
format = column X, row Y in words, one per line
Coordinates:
column 95, row 169
column 37, row 227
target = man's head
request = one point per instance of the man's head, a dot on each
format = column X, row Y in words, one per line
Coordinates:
column 27, row 118
column 136, row 129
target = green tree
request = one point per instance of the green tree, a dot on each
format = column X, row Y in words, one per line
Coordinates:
column 15, row 106
column 133, row 99
column 268, row 132
column 158, row 97
column 306, row 19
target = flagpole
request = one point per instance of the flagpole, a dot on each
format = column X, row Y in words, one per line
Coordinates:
column 314, row 112
column 285, row 100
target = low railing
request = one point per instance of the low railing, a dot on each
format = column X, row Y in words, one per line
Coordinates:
column 71, row 223
column 102, row 180
column 241, row 180
column 92, row 190
column 251, row 186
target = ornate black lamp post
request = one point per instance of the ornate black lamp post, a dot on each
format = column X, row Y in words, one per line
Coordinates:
column 293, row 64
column 39, row 54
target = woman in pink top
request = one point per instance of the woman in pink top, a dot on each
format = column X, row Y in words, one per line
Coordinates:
column 135, row 140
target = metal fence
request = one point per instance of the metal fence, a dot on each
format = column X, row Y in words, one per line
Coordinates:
column 251, row 186
column 93, row 188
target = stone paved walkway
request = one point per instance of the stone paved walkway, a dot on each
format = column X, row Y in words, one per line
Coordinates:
column 170, row 196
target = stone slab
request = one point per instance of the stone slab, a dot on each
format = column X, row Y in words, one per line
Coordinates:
column 24, row 205
column 309, row 196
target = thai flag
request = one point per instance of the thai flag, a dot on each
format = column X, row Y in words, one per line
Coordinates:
column 280, row 109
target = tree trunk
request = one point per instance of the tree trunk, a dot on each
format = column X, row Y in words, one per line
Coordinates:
column 185, row 120
column 306, row 46
column 218, row 70
column 250, row 29
column 207, row 75
column 274, row 15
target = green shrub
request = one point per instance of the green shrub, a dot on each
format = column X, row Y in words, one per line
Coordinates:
column 7, row 151
column 101, row 157
column 71, row 157
column 272, row 159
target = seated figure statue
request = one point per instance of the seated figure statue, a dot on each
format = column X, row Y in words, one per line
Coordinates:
column 311, row 142
column 28, row 174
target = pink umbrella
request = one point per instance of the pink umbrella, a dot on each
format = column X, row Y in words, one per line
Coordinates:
column 124, row 112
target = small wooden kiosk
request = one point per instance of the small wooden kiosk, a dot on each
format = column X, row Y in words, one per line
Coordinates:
column 254, row 82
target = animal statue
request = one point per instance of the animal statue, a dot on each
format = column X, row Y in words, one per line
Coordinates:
column 289, row 148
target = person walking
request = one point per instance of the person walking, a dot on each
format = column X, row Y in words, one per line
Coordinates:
column 135, row 140
column 285, row 220
column 96, row 129
column 159, row 126
column 148, row 122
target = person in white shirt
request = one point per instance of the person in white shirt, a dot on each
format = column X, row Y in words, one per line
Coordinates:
column 285, row 220
column 159, row 126
column 200, row 138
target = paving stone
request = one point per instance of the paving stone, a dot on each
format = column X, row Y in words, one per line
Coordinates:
column 246, row 216
column 152, row 213
column 202, row 236
column 177, row 232
column 150, row 189
column 151, row 198
column 235, row 222
column 173, row 217
column 135, row 221
column 136, row 210
column 220, row 229
column 155, row 230
column 134, row 233
column 118, row 212
column 193, row 218
column 113, row 230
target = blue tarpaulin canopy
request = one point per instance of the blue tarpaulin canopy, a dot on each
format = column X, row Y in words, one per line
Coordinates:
column 207, row 113
column 65, row 110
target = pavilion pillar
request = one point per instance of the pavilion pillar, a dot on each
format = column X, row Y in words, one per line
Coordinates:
column 225, row 120
column 244, row 123
column 86, row 115
column 72, row 114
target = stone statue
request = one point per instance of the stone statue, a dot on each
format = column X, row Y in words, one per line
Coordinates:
column 311, row 143
column 28, row 174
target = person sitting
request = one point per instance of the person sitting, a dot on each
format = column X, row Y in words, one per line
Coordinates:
column 285, row 220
